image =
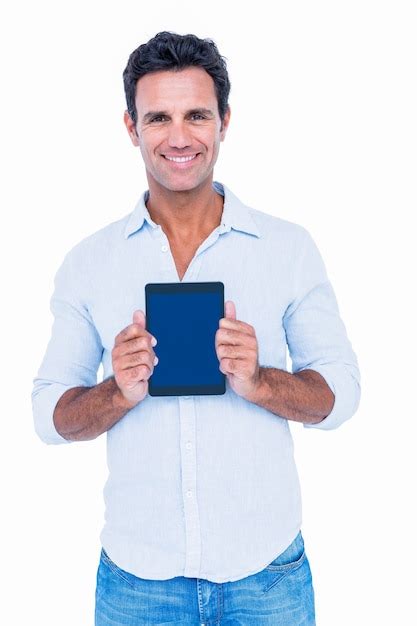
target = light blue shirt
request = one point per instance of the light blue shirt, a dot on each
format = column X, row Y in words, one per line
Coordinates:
column 198, row 486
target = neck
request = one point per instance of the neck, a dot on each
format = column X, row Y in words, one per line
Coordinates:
column 185, row 215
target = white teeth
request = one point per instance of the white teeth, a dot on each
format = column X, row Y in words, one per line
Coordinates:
column 181, row 159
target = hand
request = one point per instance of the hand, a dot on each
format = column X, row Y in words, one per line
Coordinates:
column 133, row 359
column 237, row 351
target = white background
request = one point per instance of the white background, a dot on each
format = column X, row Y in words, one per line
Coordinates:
column 323, row 133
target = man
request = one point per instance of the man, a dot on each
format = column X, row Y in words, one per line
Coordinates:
column 203, row 509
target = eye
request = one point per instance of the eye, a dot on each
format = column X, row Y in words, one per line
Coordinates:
column 197, row 116
column 158, row 118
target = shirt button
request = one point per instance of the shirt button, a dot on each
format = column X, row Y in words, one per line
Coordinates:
column 164, row 248
column 189, row 494
column 188, row 445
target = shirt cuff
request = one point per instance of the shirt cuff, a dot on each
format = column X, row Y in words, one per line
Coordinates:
column 346, row 389
column 44, row 401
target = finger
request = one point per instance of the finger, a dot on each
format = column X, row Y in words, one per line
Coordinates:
column 133, row 360
column 230, row 310
column 139, row 317
column 235, row 352
column 137, row 344
column 135, row 374
column 228, row 366
column 230, row 336
column 236, row 324
column 132, row 331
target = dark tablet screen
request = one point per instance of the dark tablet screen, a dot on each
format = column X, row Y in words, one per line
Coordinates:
column 184, row 318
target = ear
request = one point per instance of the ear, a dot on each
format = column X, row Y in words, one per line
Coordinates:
column 131, row 128
column 225, row 124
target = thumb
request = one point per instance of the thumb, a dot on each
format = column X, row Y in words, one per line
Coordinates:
column 139, row 318
column 230, row 310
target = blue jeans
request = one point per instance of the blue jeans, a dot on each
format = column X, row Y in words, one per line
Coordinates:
column 279, row 595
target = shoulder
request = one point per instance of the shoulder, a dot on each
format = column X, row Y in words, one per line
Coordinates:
column 277, row 229
column 93, row 246
column 278, row 224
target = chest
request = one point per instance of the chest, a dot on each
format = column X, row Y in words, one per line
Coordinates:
column 183, row 255
column 256, row 281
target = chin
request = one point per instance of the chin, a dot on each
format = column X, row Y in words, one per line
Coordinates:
column 180, row 186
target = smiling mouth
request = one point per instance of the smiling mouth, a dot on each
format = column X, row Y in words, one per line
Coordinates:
column 181, row 159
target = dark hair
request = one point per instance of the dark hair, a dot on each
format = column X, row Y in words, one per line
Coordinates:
column 170, row 51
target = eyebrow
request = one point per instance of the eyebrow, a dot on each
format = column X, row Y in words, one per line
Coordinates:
column 148, row 116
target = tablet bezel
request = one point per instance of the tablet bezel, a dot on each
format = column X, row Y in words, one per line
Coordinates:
column 180, row 288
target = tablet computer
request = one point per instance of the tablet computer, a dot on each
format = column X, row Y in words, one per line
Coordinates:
column 184, row 318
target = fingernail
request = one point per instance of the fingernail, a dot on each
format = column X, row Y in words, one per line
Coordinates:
column 153, row 341
column 155, row 361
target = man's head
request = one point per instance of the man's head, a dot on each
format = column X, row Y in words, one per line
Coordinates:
column 170, row 51
column 177, row 97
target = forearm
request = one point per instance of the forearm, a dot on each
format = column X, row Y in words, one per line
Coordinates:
column 302, row 397
column 84, row 413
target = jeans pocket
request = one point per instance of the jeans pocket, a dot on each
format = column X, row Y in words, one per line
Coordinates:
column 117, row 571
column 285, row 563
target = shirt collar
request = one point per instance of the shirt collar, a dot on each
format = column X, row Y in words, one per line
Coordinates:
column 235, row 214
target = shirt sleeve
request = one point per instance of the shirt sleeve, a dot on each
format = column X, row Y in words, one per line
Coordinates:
column 316, row 335
column 73, row 354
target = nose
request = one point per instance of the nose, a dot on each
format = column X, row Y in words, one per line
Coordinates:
column 179, row 136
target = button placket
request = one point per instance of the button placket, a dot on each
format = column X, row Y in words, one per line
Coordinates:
column 189, row 484
column 165, row 258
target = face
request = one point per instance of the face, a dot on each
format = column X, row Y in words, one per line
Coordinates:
column 179, row 128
